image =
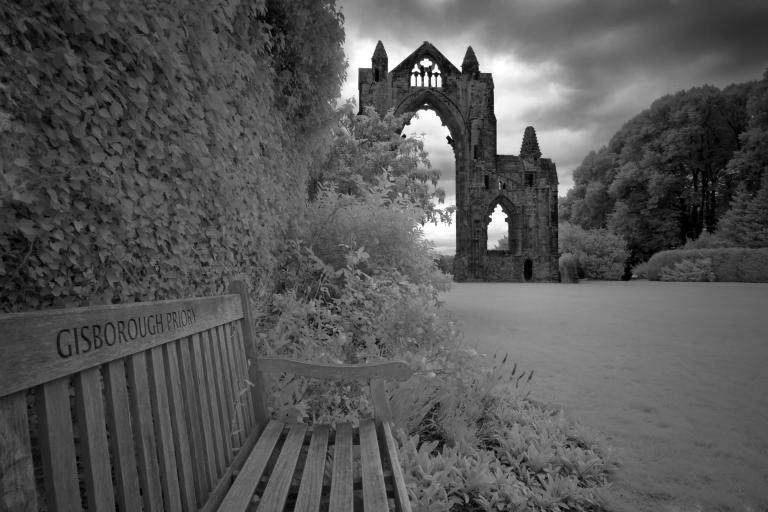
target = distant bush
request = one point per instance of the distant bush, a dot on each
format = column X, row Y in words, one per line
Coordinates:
column 568, row 268
column 445, row 263
column 734, row 264
column 640, row 271
column 599, row 253
column 697, row 270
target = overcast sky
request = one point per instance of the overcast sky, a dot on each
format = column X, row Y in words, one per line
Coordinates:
column 576, row 70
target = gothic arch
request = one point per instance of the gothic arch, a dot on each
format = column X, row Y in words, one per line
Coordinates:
column 513, row 220
column 443, row 106
column 525, row 185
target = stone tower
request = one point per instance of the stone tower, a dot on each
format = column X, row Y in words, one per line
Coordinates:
column 525, row 186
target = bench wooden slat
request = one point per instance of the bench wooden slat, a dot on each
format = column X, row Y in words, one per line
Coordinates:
column 229, row 395
column 238, row 400
column 58, row 447
column 342, row 497
column 401, row 491
column 248, row 337
column 251, row 396
column 203, row 465
column 311, row 486
column 181, row 439
column 58, row 353
column 374, row 490
column 213, row 402
column 92, row 422
column 121, row 436
column 221, row 395
column 146, row 449
column 205, row 410
column 163, row 430
column 279, row 483
column 240, row 494
column 17, row 479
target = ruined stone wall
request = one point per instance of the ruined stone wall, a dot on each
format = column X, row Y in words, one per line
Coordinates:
column 525, row 185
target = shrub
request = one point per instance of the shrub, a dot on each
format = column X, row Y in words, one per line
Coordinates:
column 640, row 271
column 445, row 263
column 705, row 241
column 696, row 270
column 568, row 268
column 600, row 254
column 728, row 264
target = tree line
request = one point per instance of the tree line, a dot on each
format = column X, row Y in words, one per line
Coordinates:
column 677, row 169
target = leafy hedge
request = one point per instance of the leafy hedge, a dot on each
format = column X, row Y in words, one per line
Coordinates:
column 728, row 264
column 154, row 149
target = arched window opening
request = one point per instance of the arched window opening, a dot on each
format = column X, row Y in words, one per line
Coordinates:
column 438, row 144
column 426, row 74
column 498, row 231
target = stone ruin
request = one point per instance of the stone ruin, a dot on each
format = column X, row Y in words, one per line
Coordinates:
column 525, row 186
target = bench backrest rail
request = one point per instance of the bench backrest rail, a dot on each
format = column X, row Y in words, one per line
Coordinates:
column 145, row 406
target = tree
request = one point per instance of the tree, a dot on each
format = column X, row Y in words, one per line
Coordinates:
column 749, row 163
column 368, row 148
column 746, row 223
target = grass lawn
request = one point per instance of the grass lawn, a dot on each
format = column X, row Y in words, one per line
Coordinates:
column 674, row 375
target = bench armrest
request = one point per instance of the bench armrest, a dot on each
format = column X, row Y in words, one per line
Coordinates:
column 389, row 370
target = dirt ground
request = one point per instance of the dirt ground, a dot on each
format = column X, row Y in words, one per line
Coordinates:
column 673, row 375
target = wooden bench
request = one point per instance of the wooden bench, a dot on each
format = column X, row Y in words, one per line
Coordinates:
column 159, row 406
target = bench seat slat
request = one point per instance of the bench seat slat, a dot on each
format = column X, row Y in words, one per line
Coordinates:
column 374, row 490
column 240, row 494
column 96, row 464
column 17, row 479
column 146, row 449
column 342, row 497
column 58, row 447
column 279, row 483
column 401, row 491
column 311, row 486
column 121, row 429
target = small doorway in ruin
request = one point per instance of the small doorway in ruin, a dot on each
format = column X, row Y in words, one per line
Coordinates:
column 528, row 269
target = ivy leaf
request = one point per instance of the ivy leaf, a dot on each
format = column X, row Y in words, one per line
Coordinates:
column 29, row 229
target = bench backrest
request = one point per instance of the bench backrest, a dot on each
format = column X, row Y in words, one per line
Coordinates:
column 142, row 406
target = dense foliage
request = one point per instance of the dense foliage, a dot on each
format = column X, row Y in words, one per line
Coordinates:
column 368, row 149
column 671, row 172
column 155, row 149
column 599, row 253
column 725, row 264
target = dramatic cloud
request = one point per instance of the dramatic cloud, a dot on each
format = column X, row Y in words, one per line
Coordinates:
column 575, row 69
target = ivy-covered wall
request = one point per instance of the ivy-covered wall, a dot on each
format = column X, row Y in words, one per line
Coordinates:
column 155, row 148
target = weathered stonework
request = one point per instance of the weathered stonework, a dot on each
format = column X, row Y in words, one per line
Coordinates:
column 525, row 186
